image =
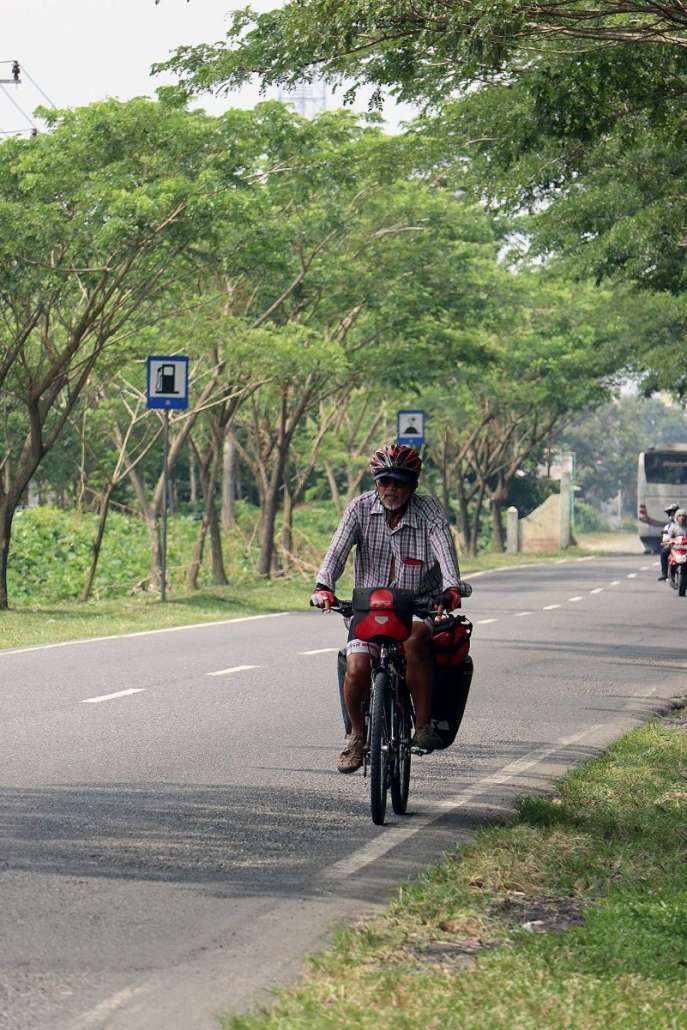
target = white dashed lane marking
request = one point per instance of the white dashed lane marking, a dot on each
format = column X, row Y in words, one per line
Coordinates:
column 632, row 575
column 483, row 622
column 518, row 615
column 578, row 597
column 598, row 590
column 320, row 650
column 110, row 697
column 550, row 607
column 234, row 668
column 614, row 583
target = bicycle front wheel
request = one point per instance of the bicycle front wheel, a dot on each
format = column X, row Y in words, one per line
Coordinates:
column 400, row 774
column 379, row 747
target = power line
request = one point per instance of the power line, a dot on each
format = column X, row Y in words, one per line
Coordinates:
column 14, row 104
column 36, row 86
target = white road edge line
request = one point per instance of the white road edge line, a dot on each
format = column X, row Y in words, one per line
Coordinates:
column 483, row 622
column 234, row 668
column 588, row 557
column 110, row 697
column 142, row 633
column 394, row 835
column 321, row 650
column 597, row 590
column 108, row 1006
column 519, row 615
column 550, row 607
column 578, row 597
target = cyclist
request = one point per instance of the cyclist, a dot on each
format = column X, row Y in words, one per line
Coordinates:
column 665, row 539
column 402, row 540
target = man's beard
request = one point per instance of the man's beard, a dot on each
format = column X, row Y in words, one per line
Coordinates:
column 389, row 505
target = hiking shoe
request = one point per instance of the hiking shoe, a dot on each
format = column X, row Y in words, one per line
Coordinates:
column 427, row 738
column 351, row 758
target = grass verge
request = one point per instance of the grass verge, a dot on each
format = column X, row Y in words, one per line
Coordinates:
column 575, row 916
column 28, row 624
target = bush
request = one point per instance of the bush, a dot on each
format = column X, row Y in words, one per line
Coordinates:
column 589, row 519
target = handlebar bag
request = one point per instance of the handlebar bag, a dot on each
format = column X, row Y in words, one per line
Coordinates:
column 381, row 614
column 451, row 640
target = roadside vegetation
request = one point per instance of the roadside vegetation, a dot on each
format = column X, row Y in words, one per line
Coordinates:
column 575, row 915
column 52, row 554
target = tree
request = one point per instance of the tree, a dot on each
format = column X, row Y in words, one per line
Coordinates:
column 100, row 218
column 416, row 49
column 607, row 441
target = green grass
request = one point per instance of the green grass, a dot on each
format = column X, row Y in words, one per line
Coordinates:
column 597, row 873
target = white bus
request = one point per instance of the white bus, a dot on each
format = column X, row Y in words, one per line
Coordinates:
column 661, row 480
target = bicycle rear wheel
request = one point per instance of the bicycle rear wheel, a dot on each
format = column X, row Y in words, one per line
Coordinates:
column 400, row 773
column 379, row 747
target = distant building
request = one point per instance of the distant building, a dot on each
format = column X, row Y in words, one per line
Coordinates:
column 307, row 98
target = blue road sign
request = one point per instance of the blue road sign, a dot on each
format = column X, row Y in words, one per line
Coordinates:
column 167, row 382
column 410, row 428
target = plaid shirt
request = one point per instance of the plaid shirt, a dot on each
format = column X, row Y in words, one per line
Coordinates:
column 418, row 555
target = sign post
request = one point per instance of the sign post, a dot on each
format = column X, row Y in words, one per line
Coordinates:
column 166, row 390
column 410, row 427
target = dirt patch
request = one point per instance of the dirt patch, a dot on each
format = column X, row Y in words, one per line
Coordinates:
column 539, row 915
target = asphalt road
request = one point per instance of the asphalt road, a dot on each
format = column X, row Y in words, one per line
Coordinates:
column 173, row 832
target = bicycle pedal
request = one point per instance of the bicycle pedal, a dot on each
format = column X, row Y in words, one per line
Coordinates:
column 415, row 750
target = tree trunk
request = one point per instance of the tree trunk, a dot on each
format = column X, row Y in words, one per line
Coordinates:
column 473, row 542
column 498, row 536
column 287, row 517
column 6, row 515
column 333, row 488
column 97, row 543
column 197, row 560
column 192, row 481
column 219, row 575
column 228, row 481
column 269, row 514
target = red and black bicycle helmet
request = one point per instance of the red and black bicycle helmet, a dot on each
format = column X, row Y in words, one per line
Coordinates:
column 398, row 461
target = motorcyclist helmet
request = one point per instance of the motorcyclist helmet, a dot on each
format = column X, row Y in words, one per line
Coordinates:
column 397, row 461
column 671, row 509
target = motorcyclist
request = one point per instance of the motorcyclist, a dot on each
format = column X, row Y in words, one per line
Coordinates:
column 402, row 540
column 665, row 542
column 679, row 526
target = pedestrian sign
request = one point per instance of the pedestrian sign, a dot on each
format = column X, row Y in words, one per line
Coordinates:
column 167, row 382
column 410, row 427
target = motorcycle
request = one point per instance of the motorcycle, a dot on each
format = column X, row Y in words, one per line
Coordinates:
column 677, row 564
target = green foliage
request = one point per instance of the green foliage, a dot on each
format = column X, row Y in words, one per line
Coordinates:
column 589, row 519
column 420, row 51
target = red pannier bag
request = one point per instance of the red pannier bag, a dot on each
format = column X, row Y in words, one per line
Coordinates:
column 451, row 645
column 453, row 670
column 381, row 614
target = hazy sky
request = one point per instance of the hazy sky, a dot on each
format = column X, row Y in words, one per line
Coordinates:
column 78, row 51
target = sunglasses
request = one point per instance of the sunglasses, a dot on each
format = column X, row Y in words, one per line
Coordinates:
column 392, row 481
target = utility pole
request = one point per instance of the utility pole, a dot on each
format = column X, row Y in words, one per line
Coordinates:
column 16, row 74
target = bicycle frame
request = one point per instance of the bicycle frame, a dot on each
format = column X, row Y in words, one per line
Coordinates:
column 391, row 661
